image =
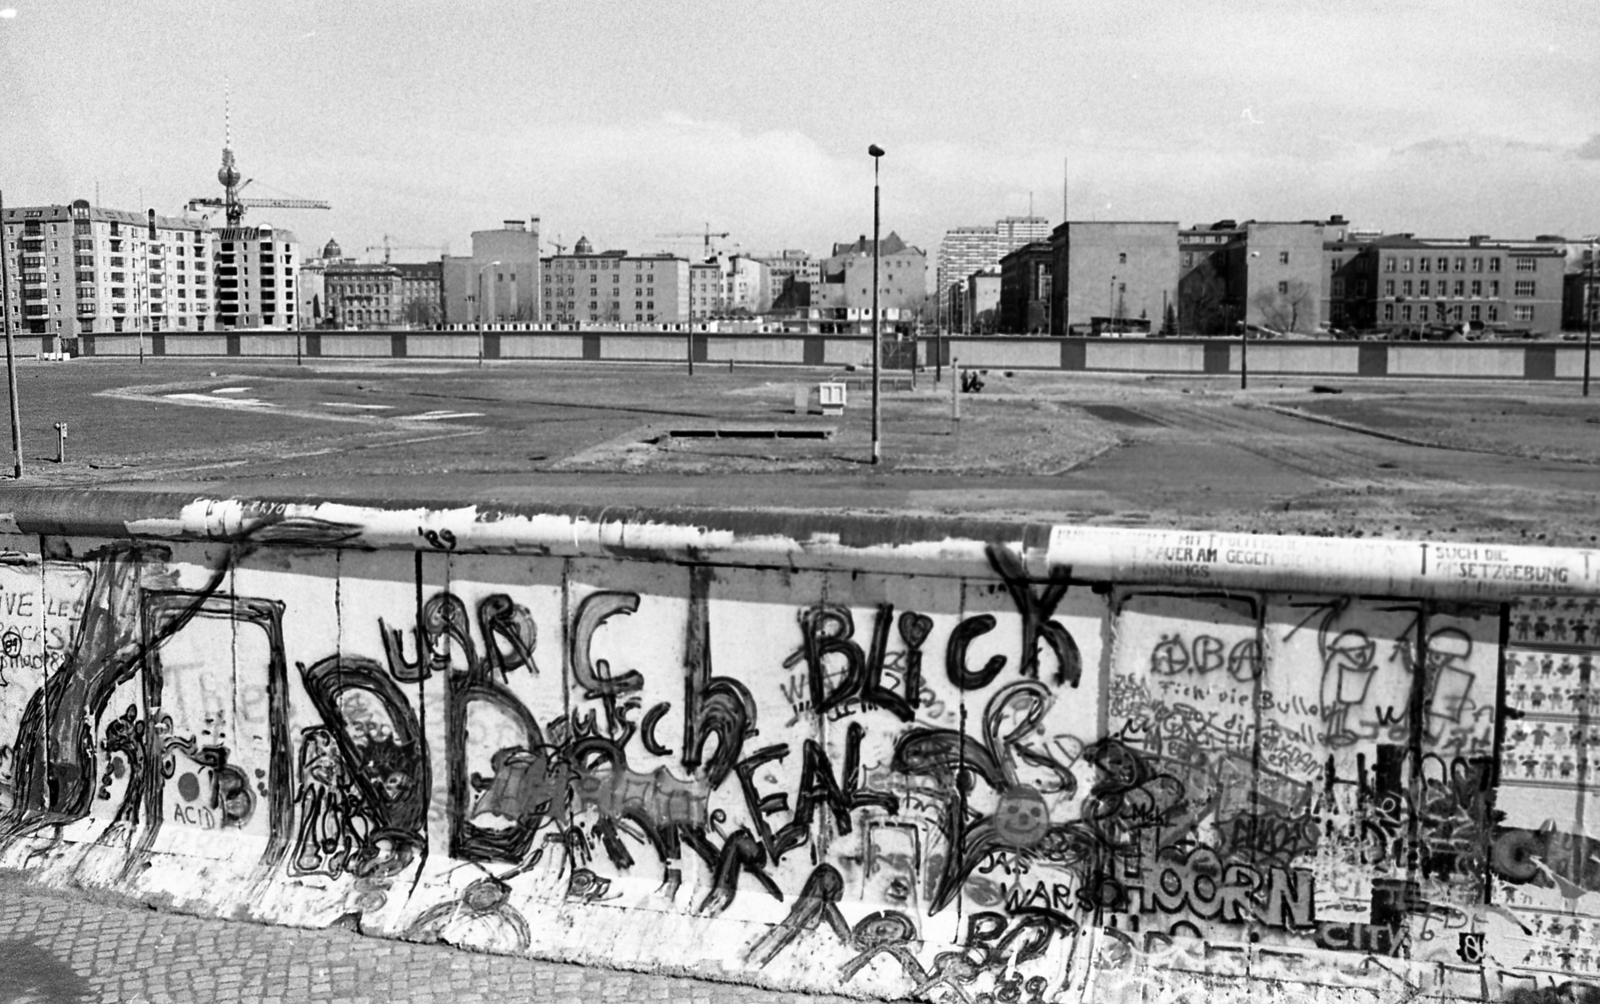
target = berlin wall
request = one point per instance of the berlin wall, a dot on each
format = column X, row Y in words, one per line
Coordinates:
column 964, row 762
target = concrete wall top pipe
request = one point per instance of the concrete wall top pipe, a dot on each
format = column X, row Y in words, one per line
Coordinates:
column 937, row 546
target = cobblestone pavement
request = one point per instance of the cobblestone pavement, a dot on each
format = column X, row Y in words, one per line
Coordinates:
column 63, row 948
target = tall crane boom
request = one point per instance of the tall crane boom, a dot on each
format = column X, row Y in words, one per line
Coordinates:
column 707, row 235
column 388, row 246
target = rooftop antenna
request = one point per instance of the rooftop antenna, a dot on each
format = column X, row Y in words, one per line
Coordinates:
column 1063, row 189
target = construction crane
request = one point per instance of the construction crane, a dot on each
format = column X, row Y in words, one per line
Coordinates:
column 560, row 247
column 388, row 246
column 231, row 203
column 706, row 236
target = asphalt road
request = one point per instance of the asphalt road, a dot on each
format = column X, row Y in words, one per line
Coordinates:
column 1488, row 460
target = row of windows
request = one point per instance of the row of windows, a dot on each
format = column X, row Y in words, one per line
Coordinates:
column 1426, row 287
column 1441, row 313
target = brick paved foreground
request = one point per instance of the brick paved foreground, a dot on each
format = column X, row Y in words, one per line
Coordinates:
column 65, row 948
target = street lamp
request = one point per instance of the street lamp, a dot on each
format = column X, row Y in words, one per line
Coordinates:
column 1244, row 327
column 480, row 308
column 876, row 152
column 1111, row 301
column 1588, row 314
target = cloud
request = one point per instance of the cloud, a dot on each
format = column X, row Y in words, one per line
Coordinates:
column 1589, row 149
column 1474, row 147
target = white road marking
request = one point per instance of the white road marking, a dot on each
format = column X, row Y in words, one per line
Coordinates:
column 439, row 416
column 362, row 407
column 221, row 402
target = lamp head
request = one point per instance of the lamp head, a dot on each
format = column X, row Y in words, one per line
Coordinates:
column 875, row 150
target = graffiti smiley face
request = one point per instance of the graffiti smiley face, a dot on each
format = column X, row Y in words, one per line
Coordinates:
column 1021, row 817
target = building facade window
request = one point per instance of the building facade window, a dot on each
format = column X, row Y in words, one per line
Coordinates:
column 1523, row 287
column 1522, row 313
column 1527, row 265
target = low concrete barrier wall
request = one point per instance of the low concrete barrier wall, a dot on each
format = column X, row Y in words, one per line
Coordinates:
column 893, row 758
column 1516, row 361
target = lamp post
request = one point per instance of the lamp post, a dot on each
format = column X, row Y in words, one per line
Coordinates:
column 1589, row 312
column 1111, row 300
column 1244, row 326
column 876, row 152
column 480, row 308
column 11, row 359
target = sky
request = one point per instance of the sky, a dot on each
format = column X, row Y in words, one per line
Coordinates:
column 625, row 121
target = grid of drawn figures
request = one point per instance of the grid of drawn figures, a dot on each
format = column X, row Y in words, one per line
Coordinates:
column 1546, row 858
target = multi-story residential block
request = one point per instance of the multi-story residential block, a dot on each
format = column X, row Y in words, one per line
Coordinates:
column 705, row 290
column 256, row 269
column 80, row 269
column 1112, row 276
column 1580, row 302
column 1349, row 276
column 617, row 287
column 1263, row 273
column 1025, row 289
column 421, row 293
column 981, row 312
column 965, row 250
column 1275, row 275
column 1204, row 306
column 784, row 270
column 847, row 276
column 1411, row 284
column 505, row 265
column 364, row 296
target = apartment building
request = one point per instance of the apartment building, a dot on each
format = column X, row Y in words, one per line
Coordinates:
column 504, row 268
column 847, row 276
column 1411, row 284
column 79, row 269
column 784, row 271
column 1025, row 289
column 256, row 270
column 364, row 296
column 965, row 250
column 1112, row 276
column 421, row 293
column 616, row 287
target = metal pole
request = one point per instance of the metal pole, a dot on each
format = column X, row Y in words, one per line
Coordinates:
column 1589, row 315
column 938, row 335
column 11, row 360
column 877, row 343
column 689, row 347
column 479, row 312
column 1244, row 355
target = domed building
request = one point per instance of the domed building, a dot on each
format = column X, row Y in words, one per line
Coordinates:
column 332, row 249
column 583, row 246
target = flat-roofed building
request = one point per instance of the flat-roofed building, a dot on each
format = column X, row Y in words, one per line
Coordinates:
column 1025, row 289
column 1204, row 306
column 505, row 265
column 1433, row 285
column 79, row 269
column 616, row 287
column 364, row 296
column 421, row 293
column 1112, row 276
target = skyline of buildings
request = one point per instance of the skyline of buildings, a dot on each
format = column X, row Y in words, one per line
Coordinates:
column 81, row 269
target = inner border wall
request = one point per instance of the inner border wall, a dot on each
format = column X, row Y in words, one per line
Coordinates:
column 1176, row 356
column 889, row 757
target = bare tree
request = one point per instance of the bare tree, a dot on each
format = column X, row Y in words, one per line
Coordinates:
column 1287, row 307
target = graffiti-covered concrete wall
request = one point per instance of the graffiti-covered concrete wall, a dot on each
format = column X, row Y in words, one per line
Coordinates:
column 956, row 762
